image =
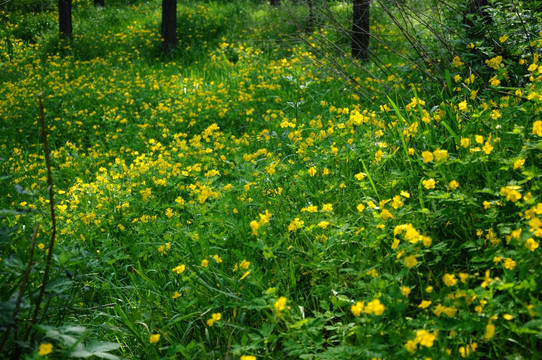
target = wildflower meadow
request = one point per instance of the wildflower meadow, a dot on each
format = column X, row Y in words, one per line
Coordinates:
column 236, row 199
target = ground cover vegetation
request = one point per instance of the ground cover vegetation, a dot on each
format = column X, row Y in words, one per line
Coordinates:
column 239, row 198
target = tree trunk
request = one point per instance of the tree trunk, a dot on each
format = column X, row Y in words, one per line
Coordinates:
column 169, row 25
column 99, row 3
column 360, row 29
column 311, row 16
column 65, row 18
column 274, row 3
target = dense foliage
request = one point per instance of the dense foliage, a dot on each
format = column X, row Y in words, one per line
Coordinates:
column 232, row 200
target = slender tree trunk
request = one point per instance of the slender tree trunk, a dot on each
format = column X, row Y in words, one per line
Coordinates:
column 65, row 18
column 169, row 25
column 99, row 3
column 360, row 29
column 311, row 15
column 274, row 3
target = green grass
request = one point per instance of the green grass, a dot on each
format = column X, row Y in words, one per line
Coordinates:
column 235, row 175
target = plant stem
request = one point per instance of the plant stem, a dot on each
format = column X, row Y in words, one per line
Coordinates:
column 53, row 218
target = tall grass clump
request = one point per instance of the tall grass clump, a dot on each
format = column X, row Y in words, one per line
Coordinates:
column 253, row 196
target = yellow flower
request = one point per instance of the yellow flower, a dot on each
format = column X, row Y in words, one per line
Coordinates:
column 280, row 304
column 214, row 318
column 519, row 163
column 296, row 224
column 179, row 269
column 360, row 176
column 385, row 214
column 494, row 81
column 531, row 244
column 248, row 357
column 467, row 350
column 373, row 273
column 495, row 63
column 503, row 38
column 357, row 309
column 405, row 290
column 427, row 156
column 311, row 209
column 479, row 139
column 463, row 105
column 176, row 295
column 440, row 154
column 378, row 156
column 488, row 148
column 457, row 61
column 154, row 338
column 323, row 224
column 410, row 261
column 375, row 307
column 439, row 310
column 429, row 289
column 247, row 273
column 254, row 225
column 424, row 304
column 265, row 218
column 495, row 114
column 453, row 184
column 397, row 202
column 537, row 128
column 312, row 171
column 327, row 207
column 509, row 264
column 244, row 264
column 450, row 311
column 511, row 193
column 411, row 346
column 490, row 331
column 465, row 142
column 429, row 184
column 449, row 279
column 360, row 207
column 45, row 349
column 425, row 338
column 205, row 263
column 162, row 250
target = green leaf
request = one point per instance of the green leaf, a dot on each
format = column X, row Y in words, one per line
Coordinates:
column 95, row 348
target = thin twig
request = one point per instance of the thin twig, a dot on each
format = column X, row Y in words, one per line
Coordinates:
column 53, row 218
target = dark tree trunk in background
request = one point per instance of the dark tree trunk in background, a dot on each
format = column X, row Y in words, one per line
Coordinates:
column 274, row 2
column 99, row 3
column 360, row 29
column 169, row 25
column 65, row 18
column 311, row 16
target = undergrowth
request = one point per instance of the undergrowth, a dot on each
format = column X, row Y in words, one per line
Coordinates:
column 233, row 200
